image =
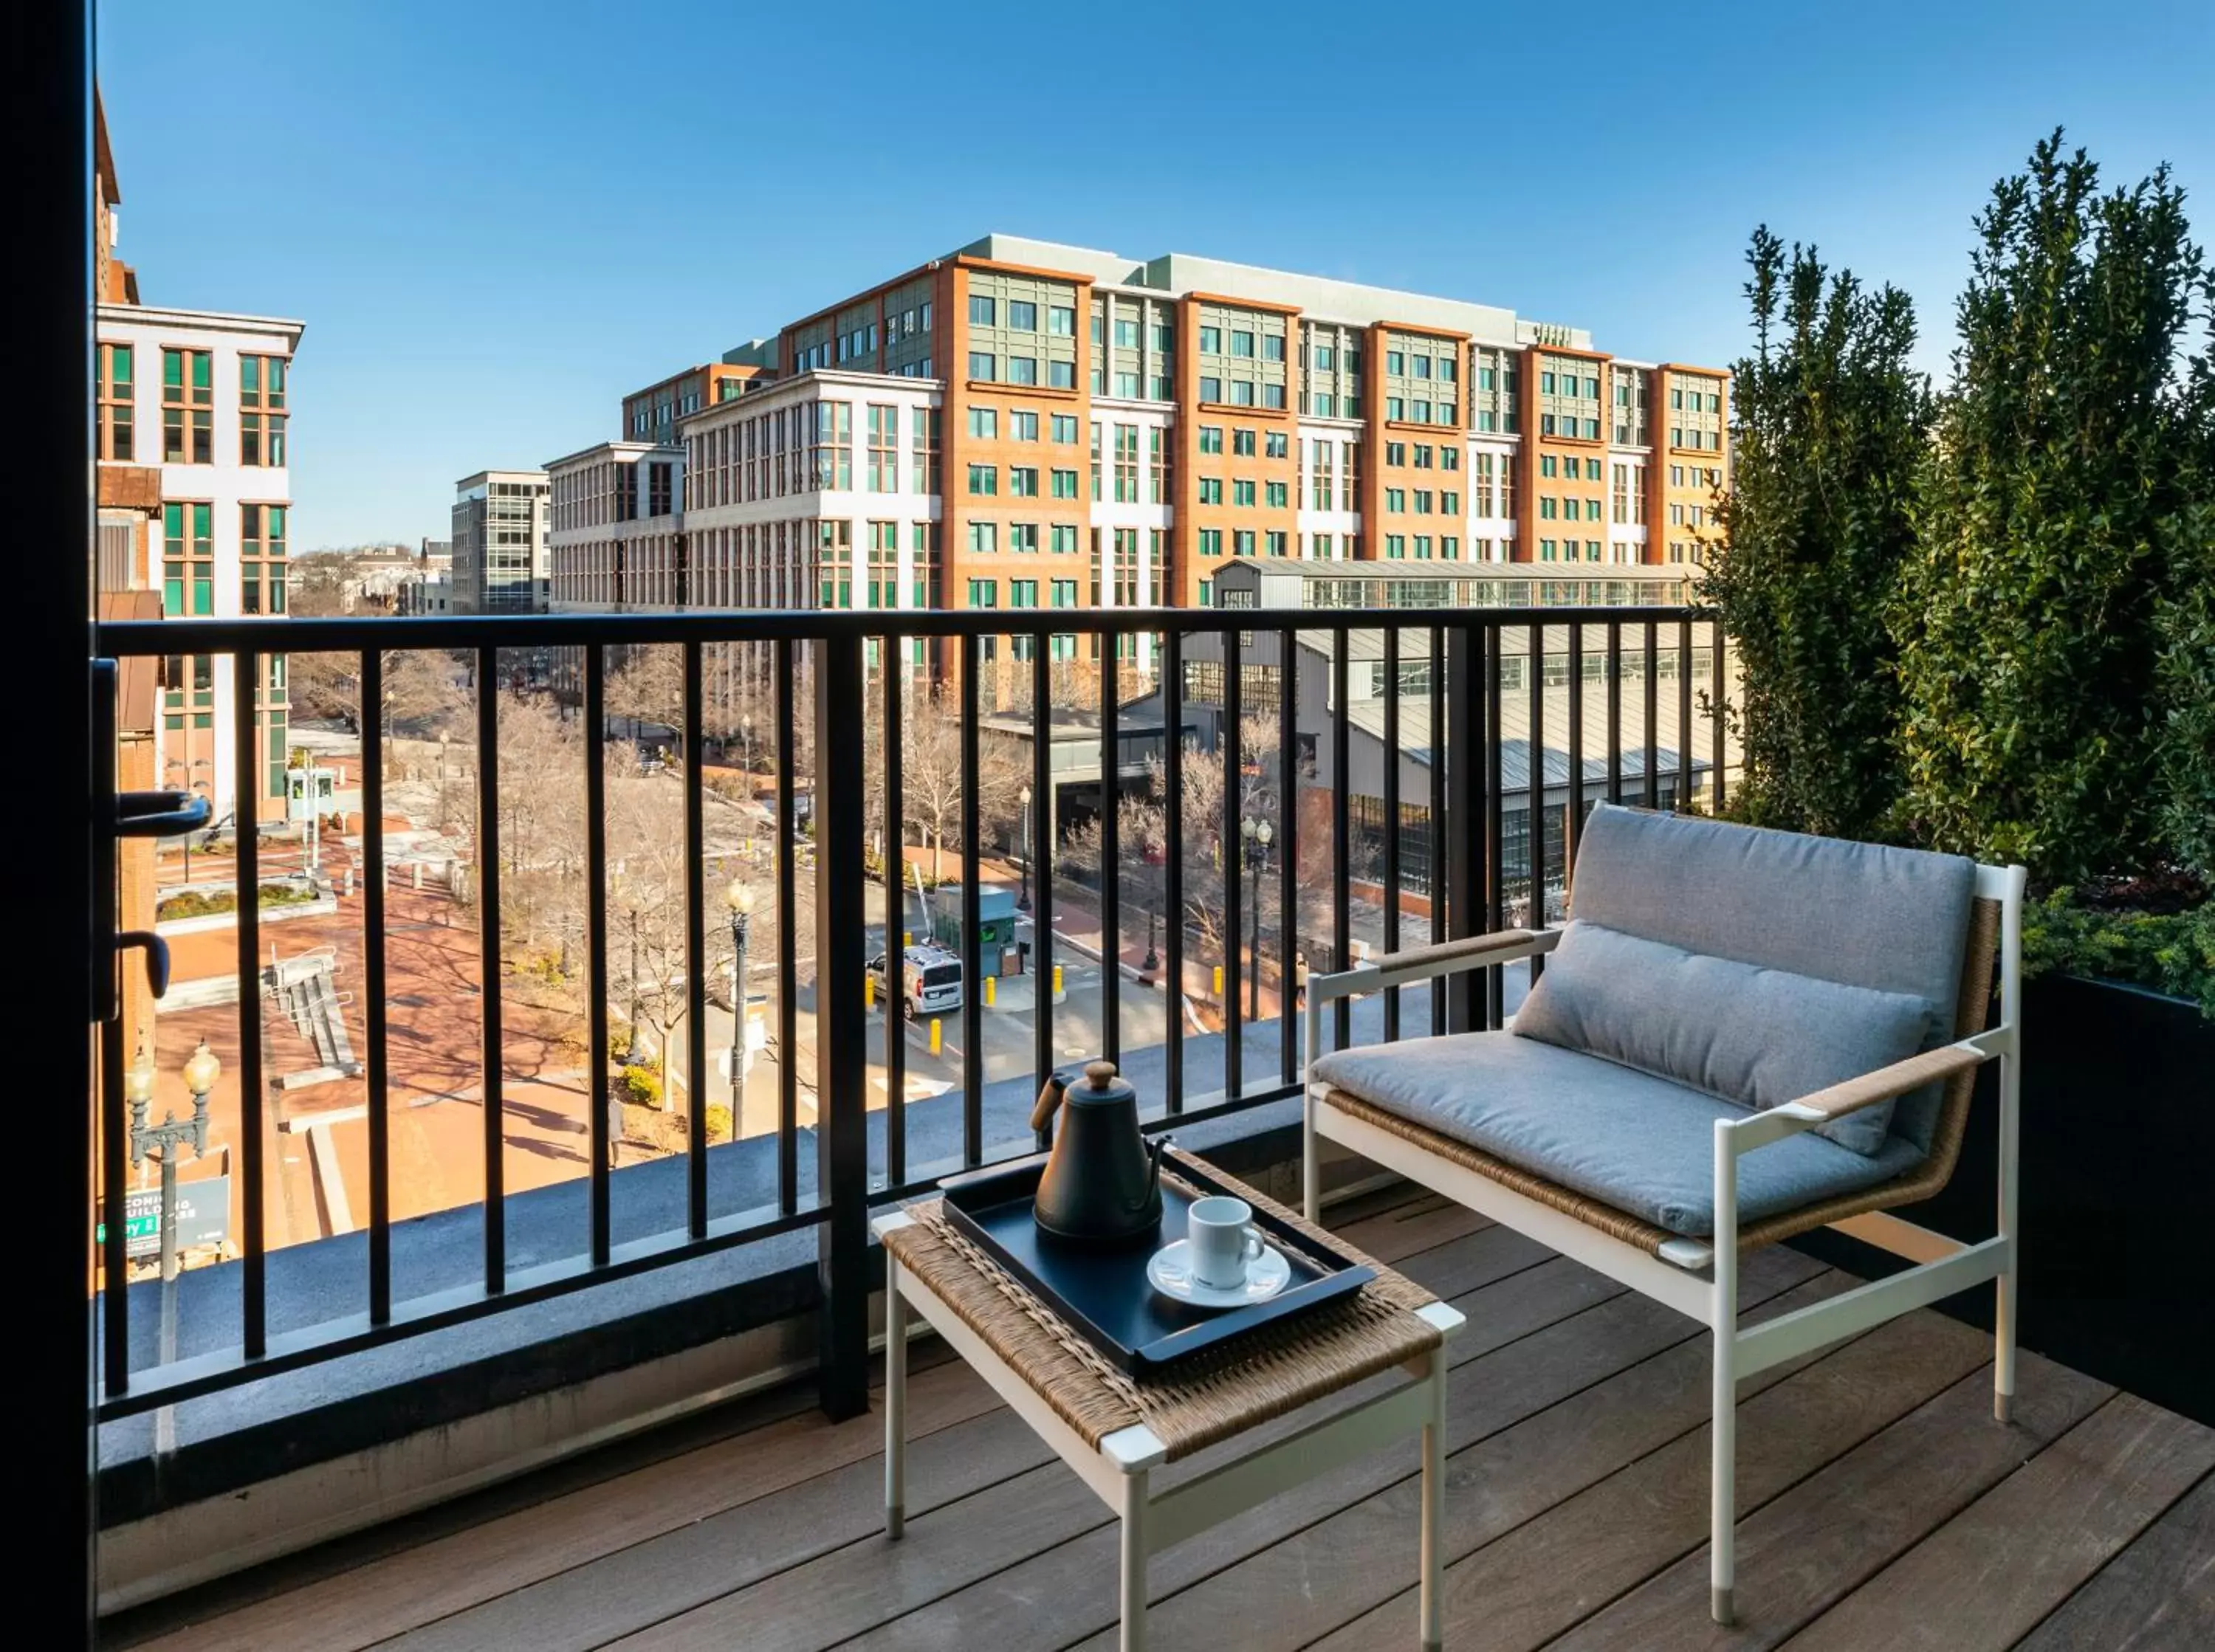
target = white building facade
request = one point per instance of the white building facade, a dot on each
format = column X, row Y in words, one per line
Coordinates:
column 203, row 398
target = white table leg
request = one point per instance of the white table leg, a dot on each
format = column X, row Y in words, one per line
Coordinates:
column 895, row 1401
column 1434, row 1504
column 1134, row 1561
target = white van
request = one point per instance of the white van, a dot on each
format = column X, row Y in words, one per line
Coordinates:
column 931, row 980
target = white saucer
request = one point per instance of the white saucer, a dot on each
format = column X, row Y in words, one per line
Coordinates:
column 1171, row 1275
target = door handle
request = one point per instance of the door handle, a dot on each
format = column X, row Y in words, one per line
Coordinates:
column 157, row 957
column 117, row 815
column 160, row 814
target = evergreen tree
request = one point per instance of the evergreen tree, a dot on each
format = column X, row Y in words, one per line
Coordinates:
column 2045, row 519
column 1831, row 424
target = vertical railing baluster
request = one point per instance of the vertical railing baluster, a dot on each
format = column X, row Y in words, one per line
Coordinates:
column 377, row 1076
column 895, row 1006
column 1440, row 916
column 1495, row 803
column 246, row 815
column 492, row 1054
column 1535, row 754
column 595, row 943
column 1572, row 816
column 1042, row 825
column 1289, row 1024
column 1716, row 725
column 1614, row 710
column 1391, row 822
column 787, row 932
column 1111, row 855
column 696, row 958
column 1461, row 823
column 1687, row 786
column 1231, row 856
column 973, row 850
column 1342, row 830
column 1172, row 871
column 1651, row 790
column 842, row 1071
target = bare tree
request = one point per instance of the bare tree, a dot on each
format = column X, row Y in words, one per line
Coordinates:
column 931, row 783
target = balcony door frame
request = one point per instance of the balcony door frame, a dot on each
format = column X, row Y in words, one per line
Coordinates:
column 49, row 886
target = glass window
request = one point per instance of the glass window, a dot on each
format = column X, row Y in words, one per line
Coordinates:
column 1211, row 389
column 1242, row 344
column 985, row 424
column 1061, row 375
column 983, row 364
column 1023, row 315
column 984, row 538
column 1022, row 370
column 1272, row 346
column 1023, row 426
column 1211, row 438
column 983, row 311
column 1060, row 320
column 984, row 479
column 1210, row 340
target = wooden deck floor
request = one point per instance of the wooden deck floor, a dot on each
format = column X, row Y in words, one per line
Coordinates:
column 1881, row 1507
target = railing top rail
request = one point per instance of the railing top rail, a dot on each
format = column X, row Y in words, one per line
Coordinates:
column 140, row 638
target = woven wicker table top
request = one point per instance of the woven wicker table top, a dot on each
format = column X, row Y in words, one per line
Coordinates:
column 1250, row 1380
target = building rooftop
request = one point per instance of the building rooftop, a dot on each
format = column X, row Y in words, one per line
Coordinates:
column 1325, row 298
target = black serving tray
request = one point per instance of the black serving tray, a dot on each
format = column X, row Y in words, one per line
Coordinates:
column 1103, row 1291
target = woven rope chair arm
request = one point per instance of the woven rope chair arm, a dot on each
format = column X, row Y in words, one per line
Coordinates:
column 1442, row 958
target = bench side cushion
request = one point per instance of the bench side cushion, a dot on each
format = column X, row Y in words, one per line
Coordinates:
column 1641, row 1144
column 1737, row 1031
column 1861, row 915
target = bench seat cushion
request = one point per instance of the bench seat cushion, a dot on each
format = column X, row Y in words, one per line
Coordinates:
column 1642, row 1144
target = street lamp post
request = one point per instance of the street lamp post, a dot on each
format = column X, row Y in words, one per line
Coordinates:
column 1257, row 834
column 1023, row 900
column 738, row 898
column 1154, row 857
column 747, row 738
column 164, row 1141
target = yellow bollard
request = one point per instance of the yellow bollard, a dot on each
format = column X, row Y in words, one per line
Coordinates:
column 992, row 992
column 868, row 992
column 935, row 1038
column 1218, row 981
column 1056, row 981
column 907, row 936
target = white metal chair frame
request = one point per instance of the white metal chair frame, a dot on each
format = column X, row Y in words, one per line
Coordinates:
column 1700, row 1278
column 1120, row 1469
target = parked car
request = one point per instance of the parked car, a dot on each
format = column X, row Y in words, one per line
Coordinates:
column 931, row 980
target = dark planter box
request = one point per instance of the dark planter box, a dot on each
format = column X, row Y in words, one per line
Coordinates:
column 2117, row 1210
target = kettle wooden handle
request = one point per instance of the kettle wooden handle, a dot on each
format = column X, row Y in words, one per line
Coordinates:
column 1043, row 1109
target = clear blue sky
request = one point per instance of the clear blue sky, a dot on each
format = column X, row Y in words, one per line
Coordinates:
column 497, row 216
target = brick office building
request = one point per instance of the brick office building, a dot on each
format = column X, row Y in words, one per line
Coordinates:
column 1021, row 424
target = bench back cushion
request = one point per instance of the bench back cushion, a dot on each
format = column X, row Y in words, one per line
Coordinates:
column 1649, row 1005
column 1860, row 915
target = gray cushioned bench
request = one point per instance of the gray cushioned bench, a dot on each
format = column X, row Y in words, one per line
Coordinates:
column 1740, row 1035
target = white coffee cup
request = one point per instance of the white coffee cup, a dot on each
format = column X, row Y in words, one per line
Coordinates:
column 1220, row 1234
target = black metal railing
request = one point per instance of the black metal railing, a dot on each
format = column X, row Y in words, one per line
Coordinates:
column 1452, row 747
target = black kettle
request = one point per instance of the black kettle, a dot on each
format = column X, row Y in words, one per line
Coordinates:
column 1104, row 1181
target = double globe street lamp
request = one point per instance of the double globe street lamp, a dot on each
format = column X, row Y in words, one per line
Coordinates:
column 164, row 1142
column 1258, row 833
column 738, row 900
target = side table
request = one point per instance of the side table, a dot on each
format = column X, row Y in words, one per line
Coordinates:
column 1116, row 1431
